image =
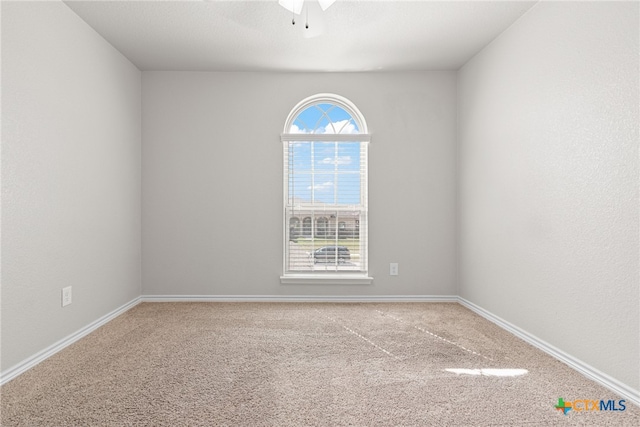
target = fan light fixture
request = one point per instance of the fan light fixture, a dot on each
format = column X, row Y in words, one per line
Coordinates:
column 295, row 7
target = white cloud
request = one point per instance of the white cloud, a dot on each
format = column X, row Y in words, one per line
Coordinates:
column 325, row 186
column 341, row 127
column 340, row 160
column 295, row 129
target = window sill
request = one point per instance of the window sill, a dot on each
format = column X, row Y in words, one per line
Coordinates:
column 325, row 279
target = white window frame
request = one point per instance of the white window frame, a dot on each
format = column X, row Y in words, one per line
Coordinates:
column 360, row 277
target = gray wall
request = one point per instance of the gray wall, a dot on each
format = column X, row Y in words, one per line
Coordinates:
column 212, row 180
column 548, row 166
column 70, row 177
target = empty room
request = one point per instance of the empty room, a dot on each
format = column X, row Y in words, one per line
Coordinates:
column 319, row 213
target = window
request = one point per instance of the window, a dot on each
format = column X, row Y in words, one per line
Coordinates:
column 325, row 143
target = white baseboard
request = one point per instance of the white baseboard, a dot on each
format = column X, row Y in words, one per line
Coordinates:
column 298, row 298
column 588, row 371
column 32, row 361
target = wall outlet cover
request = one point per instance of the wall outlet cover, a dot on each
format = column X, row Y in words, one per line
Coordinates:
column 66, row 296
column 393, row 269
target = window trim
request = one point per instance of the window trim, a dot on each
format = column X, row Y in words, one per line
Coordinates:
column 337, row 278
column 359, row 137
column 326, row 279
column 325, row 98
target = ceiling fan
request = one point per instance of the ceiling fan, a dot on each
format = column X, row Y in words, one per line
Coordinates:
column 295, row 6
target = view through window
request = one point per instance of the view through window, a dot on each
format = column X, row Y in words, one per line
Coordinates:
column 325, row 160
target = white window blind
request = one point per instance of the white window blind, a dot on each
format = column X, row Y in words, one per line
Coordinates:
column 325, row 188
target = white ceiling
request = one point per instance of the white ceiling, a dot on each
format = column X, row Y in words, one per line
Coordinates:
column 258, row 35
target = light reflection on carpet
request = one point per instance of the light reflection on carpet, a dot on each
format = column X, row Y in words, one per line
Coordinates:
column 489, row 372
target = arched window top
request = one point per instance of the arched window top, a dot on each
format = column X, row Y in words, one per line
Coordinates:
column 325, row 114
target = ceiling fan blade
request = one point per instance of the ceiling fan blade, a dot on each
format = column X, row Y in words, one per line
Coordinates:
column 325, row 4
column 294, row 6
column 315, row 20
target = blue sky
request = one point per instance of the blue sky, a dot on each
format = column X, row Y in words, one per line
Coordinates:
column 336, row 165
column 324, row 118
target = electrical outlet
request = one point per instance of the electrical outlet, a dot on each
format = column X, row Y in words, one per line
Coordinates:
column 66, row 296
column 393, row 269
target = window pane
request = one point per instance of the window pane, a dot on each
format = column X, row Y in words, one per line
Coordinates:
column 299, row 155
column 348, row 186
column 324, row 119
column 300, row 188
column 334, row 245
column 348, row 156
column 323, row 188
column 299, row 126
column 342, row 122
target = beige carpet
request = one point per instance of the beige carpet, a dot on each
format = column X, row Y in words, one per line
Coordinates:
column 295, row 364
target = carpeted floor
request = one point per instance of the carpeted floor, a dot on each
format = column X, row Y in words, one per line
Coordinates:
column 302, row 364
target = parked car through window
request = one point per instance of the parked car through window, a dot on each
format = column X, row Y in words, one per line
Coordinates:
column 330, row 253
